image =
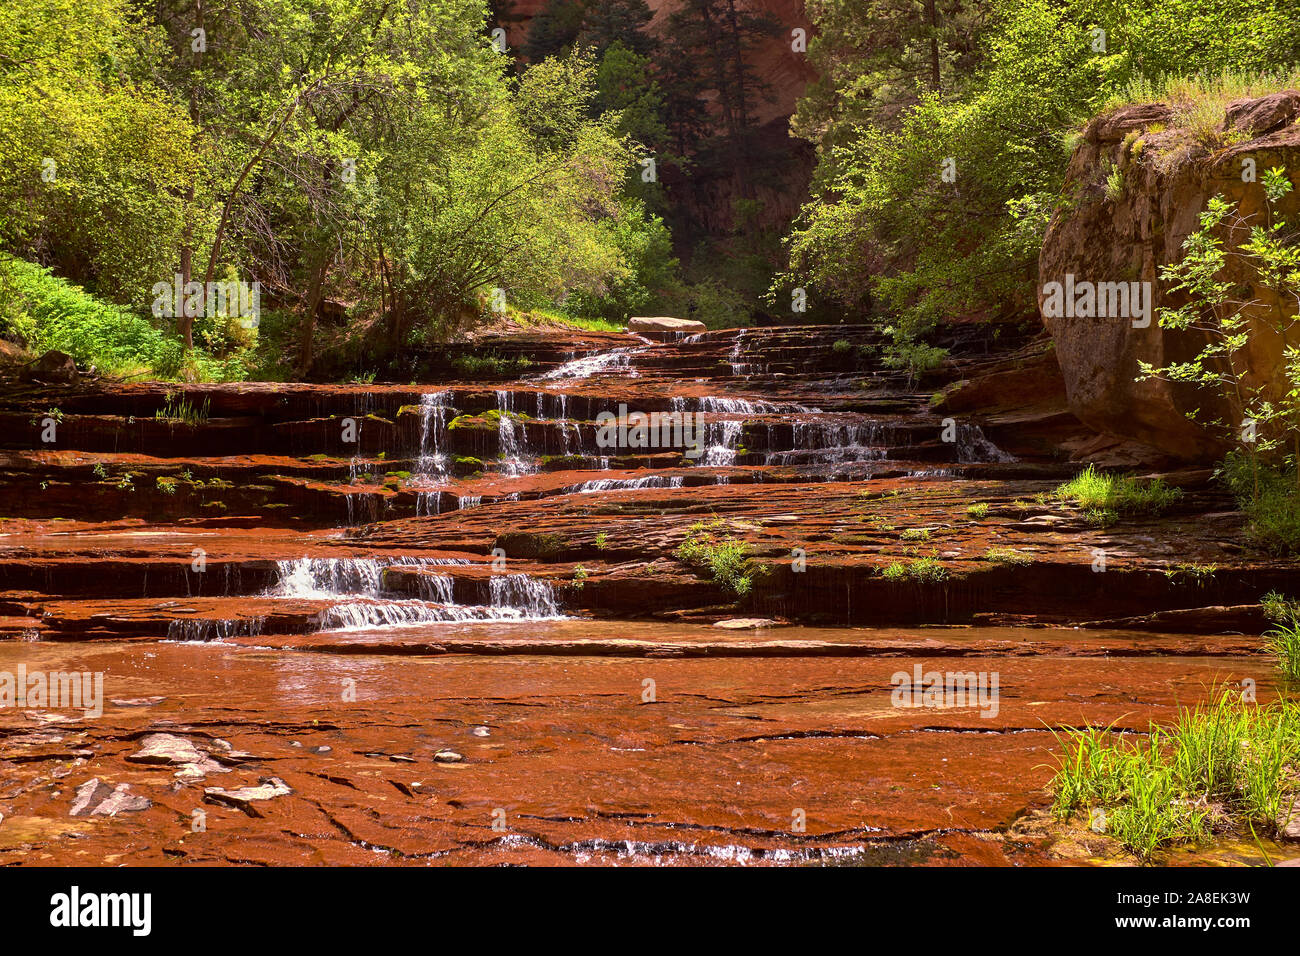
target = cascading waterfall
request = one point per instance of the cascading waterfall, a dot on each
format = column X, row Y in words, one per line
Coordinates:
column 515, row 459
column 432, row 461
column 619, row 359
column 973, row 446
column 625, row 484
column 211, row 629
column 356, row 584
column 830, row 443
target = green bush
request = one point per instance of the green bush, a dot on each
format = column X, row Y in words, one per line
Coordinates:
column 1270, row 498
column 710, row 547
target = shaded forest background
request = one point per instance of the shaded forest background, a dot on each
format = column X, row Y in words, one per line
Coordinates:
column 393, row 175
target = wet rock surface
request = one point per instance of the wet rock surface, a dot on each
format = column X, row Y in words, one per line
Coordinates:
column 472, row 637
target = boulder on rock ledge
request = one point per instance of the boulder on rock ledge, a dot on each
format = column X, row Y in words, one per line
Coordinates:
column 663, row 328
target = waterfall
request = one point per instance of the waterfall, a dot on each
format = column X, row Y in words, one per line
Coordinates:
column 624, row 484
column 513, row 439
column 214, row 629
column 522, row 595
column 721, row 439
column 361, row 602
column 588, row 365
column 432, row 461
column 972, row 446
column 831, row 443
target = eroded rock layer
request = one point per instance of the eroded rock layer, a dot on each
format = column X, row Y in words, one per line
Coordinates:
column 455, row 621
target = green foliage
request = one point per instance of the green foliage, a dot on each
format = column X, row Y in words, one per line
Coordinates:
column 181, row 409
column 710, row 546
column 1102, row 495
column 979, row 511
column 470, row 365
column 1260, row 418
column 885, row 230
column 1284, row 642
column 1227, row 760
column 922, row 570
column 1269, row 497
column 1001, row 555
column 50, row 313
column 1280, row 609
column 344, row 150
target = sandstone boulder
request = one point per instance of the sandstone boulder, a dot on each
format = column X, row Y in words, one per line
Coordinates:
column 663, row 328
column 53, row 366
column 1098, row 237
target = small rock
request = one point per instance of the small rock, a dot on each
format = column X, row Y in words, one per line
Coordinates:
column 322, row 749
column 53, row 366
column 179, row 752
column 480, row 732
column 745, row 623
column 164, row 749
column 96, row 798
column 268, row 788
column 447, row 756
column 136, row 701
column 401, row 758
column 1289, row 824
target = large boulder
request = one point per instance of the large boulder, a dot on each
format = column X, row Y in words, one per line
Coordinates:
column 662, row 328
column 1169, row 173
column 53, row 366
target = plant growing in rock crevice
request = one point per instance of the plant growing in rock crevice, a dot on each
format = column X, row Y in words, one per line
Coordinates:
column 1104, row 497
column 710, row 546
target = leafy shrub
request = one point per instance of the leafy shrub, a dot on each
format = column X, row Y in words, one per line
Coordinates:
column 709, row 546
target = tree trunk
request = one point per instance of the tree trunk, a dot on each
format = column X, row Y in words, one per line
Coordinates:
column 307, row 331
column 932, row 16
column 185, row 323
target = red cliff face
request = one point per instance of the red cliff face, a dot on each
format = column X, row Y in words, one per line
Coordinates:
column 785, row 71
column 779, row 181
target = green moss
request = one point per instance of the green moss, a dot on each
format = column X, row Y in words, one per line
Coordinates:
column 527, row 544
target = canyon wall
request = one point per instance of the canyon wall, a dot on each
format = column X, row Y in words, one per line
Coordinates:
column 1166, row 170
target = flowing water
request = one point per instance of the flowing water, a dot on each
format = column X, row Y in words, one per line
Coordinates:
column 511, row 593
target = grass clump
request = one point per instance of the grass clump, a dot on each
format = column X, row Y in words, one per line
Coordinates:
column 979, row 511
column 489, row 366
column 915, row 534
column 181, row 409
column 1223, row 767
column 1104, row 497
column 1283, row 639
column 710, row 546
column 1000, row 555
column 922, row 570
